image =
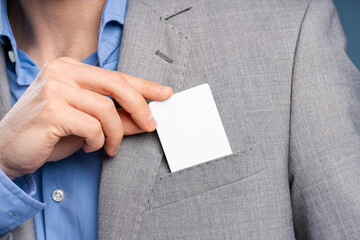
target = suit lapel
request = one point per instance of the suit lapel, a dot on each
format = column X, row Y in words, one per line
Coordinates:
column 5, row 100
column 154, row 50
column 25, row 230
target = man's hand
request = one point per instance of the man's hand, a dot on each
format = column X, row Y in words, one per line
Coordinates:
column 66, row 108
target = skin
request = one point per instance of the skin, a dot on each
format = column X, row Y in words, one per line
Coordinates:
column 66, row 107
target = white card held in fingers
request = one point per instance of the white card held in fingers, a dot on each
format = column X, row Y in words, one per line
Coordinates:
column 190, row 128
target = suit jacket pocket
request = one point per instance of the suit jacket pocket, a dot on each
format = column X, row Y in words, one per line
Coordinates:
column 206, row 176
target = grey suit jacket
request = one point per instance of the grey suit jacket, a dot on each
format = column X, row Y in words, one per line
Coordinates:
column 289, row 99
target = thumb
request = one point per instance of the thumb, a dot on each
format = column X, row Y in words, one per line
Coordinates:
column 65, row 147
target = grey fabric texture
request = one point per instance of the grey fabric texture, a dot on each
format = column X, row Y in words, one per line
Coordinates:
column 289, row 99
column 25, row 231
column 324, row 167
column 5, row 99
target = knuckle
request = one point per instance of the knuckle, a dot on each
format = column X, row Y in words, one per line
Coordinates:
column 50, row 108
column 143, row 109
column 94, row 128
column 50, row 67
column 150, row 85
column 139, row 107
column 107, row 105
column 50, row 88
column 116, row 78
column 140, row 114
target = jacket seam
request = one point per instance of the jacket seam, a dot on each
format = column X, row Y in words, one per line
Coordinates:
column 212, row 189
column 292, row 83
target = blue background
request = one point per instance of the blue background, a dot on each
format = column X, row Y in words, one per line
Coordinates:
column 349, row 12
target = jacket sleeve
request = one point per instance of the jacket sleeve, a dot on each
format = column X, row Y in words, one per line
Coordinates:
column 324, row 154
column 16, row 202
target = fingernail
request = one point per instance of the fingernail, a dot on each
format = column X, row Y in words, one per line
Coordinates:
column 151, row 121
column 165, row 89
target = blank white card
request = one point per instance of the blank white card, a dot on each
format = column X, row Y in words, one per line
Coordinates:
column 190, row 128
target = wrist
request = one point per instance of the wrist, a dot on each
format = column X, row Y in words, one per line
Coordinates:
column 8, row 172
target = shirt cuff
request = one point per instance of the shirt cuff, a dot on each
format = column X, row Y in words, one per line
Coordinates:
column 16, row 202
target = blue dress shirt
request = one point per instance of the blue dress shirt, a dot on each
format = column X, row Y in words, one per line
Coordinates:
column 77, row 176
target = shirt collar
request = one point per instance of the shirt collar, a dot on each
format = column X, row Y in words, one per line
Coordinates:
column 4, row 28
column 114, row 11
column 6, row 34
column 112, row 19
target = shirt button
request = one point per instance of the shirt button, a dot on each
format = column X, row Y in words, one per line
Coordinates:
column 12, row 56
column 58, row 195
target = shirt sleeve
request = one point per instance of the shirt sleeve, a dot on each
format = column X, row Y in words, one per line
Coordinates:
column 16, row 202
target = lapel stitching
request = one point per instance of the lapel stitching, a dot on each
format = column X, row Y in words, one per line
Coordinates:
column 128, row 178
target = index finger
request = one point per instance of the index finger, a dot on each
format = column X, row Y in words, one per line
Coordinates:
column 114, row 84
